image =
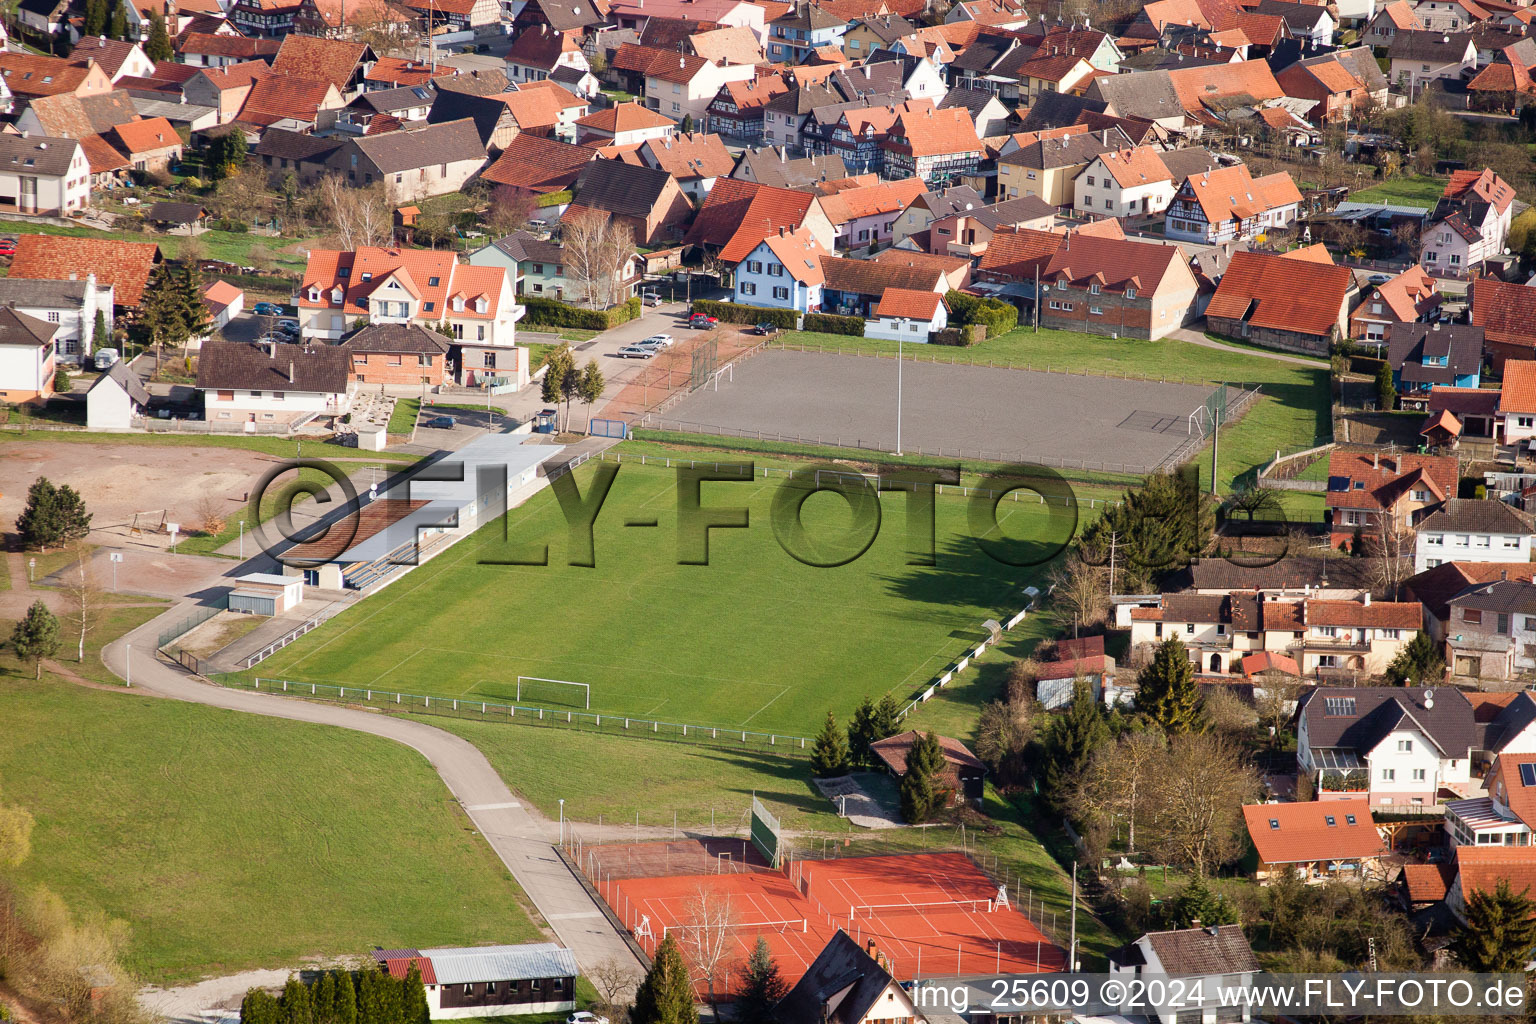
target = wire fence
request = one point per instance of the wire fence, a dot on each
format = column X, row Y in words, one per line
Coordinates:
column 526, row 714
column 192, row 621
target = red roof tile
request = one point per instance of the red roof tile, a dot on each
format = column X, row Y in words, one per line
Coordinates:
column 1483, row 184
column 1383, row 479
column 736, row 215
column 1518, row 392
column 1287, row 295
column 147, row 136
column 1505, row 311
column 1428, row 883
column 1300, row 833
column 126, row 266
column 332, row 60
column 625, row 117
column 934, row 133
column 907, row 302
column 1482, row 868
column 667, row 65
column 538, row 164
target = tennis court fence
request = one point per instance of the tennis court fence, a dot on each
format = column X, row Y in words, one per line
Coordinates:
column 524, row 714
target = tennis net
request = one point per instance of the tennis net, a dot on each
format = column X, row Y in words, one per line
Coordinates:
column 866, row 911
column 797, row 924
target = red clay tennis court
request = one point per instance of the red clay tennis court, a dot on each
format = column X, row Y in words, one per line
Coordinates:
column 930, row 915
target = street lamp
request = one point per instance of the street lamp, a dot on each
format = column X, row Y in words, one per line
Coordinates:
column 128, row 665
column 562, row 822
column 900, row 339
column 242, row 540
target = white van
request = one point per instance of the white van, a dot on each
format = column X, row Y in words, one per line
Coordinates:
column 105, row 357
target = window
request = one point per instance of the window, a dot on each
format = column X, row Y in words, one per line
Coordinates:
column 781, row 293
column 1418, row 775
column 1090, row 181
column 1331, row 820
column 1274, row 824
column 538, row 268
column 748, row 288
column 1087, row 201
column 1389, row 775
column 1405, row 746
column 1130, row 293
column 432, row 282
column 1338, row 705
column 1525, row 421
column 1221, row 629
column 1391, row 634
column 1349, row 819
column 469, row 989
column 775, row 270
column 754, row 266
column 1503, row 626
column 1189, row 627
column 1528, row 774
column 53, row 318
column 1511, row 542
column 1434, row 540
column 1472, row 616
column 1093, row 289
column 480, row 332
column 1096, row 310
column 1481, row 541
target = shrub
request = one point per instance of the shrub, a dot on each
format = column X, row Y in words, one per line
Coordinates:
column 736, row 313
column 554, row 313
column 826, row 323
column 997, row 316
column 238, row 227
column 554, row 199
column 61, row 380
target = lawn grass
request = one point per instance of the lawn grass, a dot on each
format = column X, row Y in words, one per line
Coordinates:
column 538, row 351
column 200, row 543
column 231, row 841
column 753, row 640
column 228, row 246
column 402, row 420
column 1414, row 190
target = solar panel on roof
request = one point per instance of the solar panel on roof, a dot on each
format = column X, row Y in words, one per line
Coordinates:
column 1338, row 483
column 1528, row 774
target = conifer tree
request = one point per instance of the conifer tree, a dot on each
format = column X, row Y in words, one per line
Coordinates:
column 829, row 757
column 1168, row 694
column 1071, row 741
column 1500, row 935
column 294, row 1006
column 346, row 998
column 665, row 995
column 36, row 636
column 322, row 999
column 861, row 733
column 258, row 1007
column 920, row 784
column 763, row 987
column 413, row 999
column 158, row 47
column 53, row 516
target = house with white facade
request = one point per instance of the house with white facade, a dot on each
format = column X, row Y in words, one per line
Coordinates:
column 27, row 357
column 1490, row 631
column 783, row 271
column 477, row 304
column 1468, row 530
column 845, row 983
column 1507, row 815
column 42, row 176
column 1470, row 223
column 908, row 315
column 272, row 388
column 488, row 981
column 116, row 400
column 805, row 28
column 1418, row 58
column 1401, row 746
column 1227, row 204
column 678, row 85
column 69, row 305
column 1211, row 959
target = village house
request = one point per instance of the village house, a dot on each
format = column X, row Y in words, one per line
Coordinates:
column 1048, row 167
column 1367, row 488
column 1431, row 358
column 1470, row 223
column 1228, row 203
column 28, row 357
column 848, row 984
column 1449, row 15
column 1211, row 958
column 1389, row 20
column 1341, row 83
column 1490, row 633
column 1506, row 311
column 1316, row 840
column 968, row 233
column 116, row 399
column 1421, row 57
column 28, row 76
column 405, row 356
column 123, row 267
column 150, row 144
column 695, row 161
column 855, row 287
column 1407, row 298
column 264, row 17
column 805, row 28
column 1507, row 814
column 677, row 85
column 1472, row 530
column 225, row 88
column 961, row 779
column 1291, row 302
column 271, row 389
column 283, row 101
column 647, row 200
column 539, row 265
column 216, row 50
column 537, row 165
column 783, row 271
column 931, row 206
column 738, row 214
column 428, row 287
column 865, row 215
column 623, row 125
column 1398, row 746
column 739, row 108
column 1137, row 181
column 488, row 981
column 43, row 176
column 342, row 63
column 908, row 315
column 412, row 163
column 118, row 58
column 1482, row 870
column 933, row 145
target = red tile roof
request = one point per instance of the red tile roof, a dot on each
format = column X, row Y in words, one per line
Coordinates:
column 667, row 65
column 871, row 200
column 539, row 165
column 217, row 45
column 1269, row 661
column 690, row 157
column 1287, row 295
column 1114, row 264
column 1015, row 251
column 1409, row 294
column 1376, row 615
column 126, row 266
column 1483, row 184
column 907, row 302
column 800, row 254
column 332, row 60
column 285, row 97
column 1137, row 166
column 28, row 74
column 1482, row 868
column 1386, row 478
column 1505, row 784
column 401, row 72
column 1518, row 392
column 1505, row 311
column 147, row 136
column 100, row 154
column 1247, row 78
column 1428, row 883
column 1299, row 833
column 934, row 133
column 736, row 215
column 1232, row 192
column 417, row 270
column 625, row 117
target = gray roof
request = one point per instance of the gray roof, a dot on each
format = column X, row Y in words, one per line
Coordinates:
column 1511, row 721
column 974, row 100
column 1181, row 163
column 36, row 154
column 387, row 101
column 1149, row 94
column 841, row 967
column 1290, row 573
column 1461, row 345
column 1442, row 47
column 1013, row 211
column 520, row 245
column 21, row 329
column 1498, row 596
column 291, row 145
column 1378, row 710
column 1469, row 515
column 620, row 188
column 125, row 379
column 176, row 213
column 1203, row 951
column 487, row 111
column 171, row 110
column 42, row 294
column 462, row 965
column 949, row 201
column 774, row 167
column 411, row 148
column 382, row 337
column 1296, row 15
column 1066, row 152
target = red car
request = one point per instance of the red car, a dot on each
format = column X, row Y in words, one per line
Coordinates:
column 701, row 322
column 7, row 247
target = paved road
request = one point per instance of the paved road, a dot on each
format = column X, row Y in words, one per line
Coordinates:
column 1196, row 338
column 521, row 836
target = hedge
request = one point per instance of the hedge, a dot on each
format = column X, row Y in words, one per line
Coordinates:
column 553, row 199
column 735, row 313
column 997, row 316
column 826, row 323
column 554, row 313
column 1365, row 364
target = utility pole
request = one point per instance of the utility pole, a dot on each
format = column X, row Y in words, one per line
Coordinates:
column 1072, row 956
column 1037, row 297
column 1113, row 536
column 1216, row 414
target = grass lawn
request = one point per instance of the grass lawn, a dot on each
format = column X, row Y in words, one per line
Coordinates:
column 403, row 419
column 753, row 640
column 188, row 823
column 229, row 246
column 200, row 543
column 1417, row 190
column 538, row 351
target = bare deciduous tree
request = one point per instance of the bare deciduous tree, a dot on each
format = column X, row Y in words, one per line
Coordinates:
column 1199, row 789
column 1275, row 696
column 360, row 216
column 1390, row 545
column 211, row 517
column 615, row 984
column 1081, row 592
column 706, row 938
column 1227, row 713
column 1117, row 780
column 84, row 594
column 597, row 251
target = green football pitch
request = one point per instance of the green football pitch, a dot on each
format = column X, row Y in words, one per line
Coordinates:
column 755, row 639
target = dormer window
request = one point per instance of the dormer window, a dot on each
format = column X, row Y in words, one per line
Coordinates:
column 432, row 282
column 481, row 305
column 367, row 275
column 458, row 303
column 314, row 294
column 336, row 295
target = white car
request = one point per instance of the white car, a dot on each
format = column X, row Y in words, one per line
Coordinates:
column 583, row 1017
column 657, row 341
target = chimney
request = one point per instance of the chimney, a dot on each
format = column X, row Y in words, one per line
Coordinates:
column 869, row 947
column 290, row 369
column 73, row 276
column 1375, row 460
column 271, row 350
column 1366, row 600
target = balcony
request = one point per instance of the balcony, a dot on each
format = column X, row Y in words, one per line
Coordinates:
column 1335, row 643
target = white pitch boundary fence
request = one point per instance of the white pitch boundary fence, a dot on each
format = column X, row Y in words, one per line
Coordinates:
column 964, row 663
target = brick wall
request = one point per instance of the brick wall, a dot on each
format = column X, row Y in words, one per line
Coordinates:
column 1129, row 318
column 397, row 368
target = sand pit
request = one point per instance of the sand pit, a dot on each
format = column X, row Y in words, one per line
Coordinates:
column 117, row 480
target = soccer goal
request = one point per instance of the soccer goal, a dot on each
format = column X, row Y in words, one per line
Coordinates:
column 537, row 685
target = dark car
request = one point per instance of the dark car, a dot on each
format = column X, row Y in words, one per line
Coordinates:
column 700, row 322
column 765, row 328
column 440, row 422
column 267, row 309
